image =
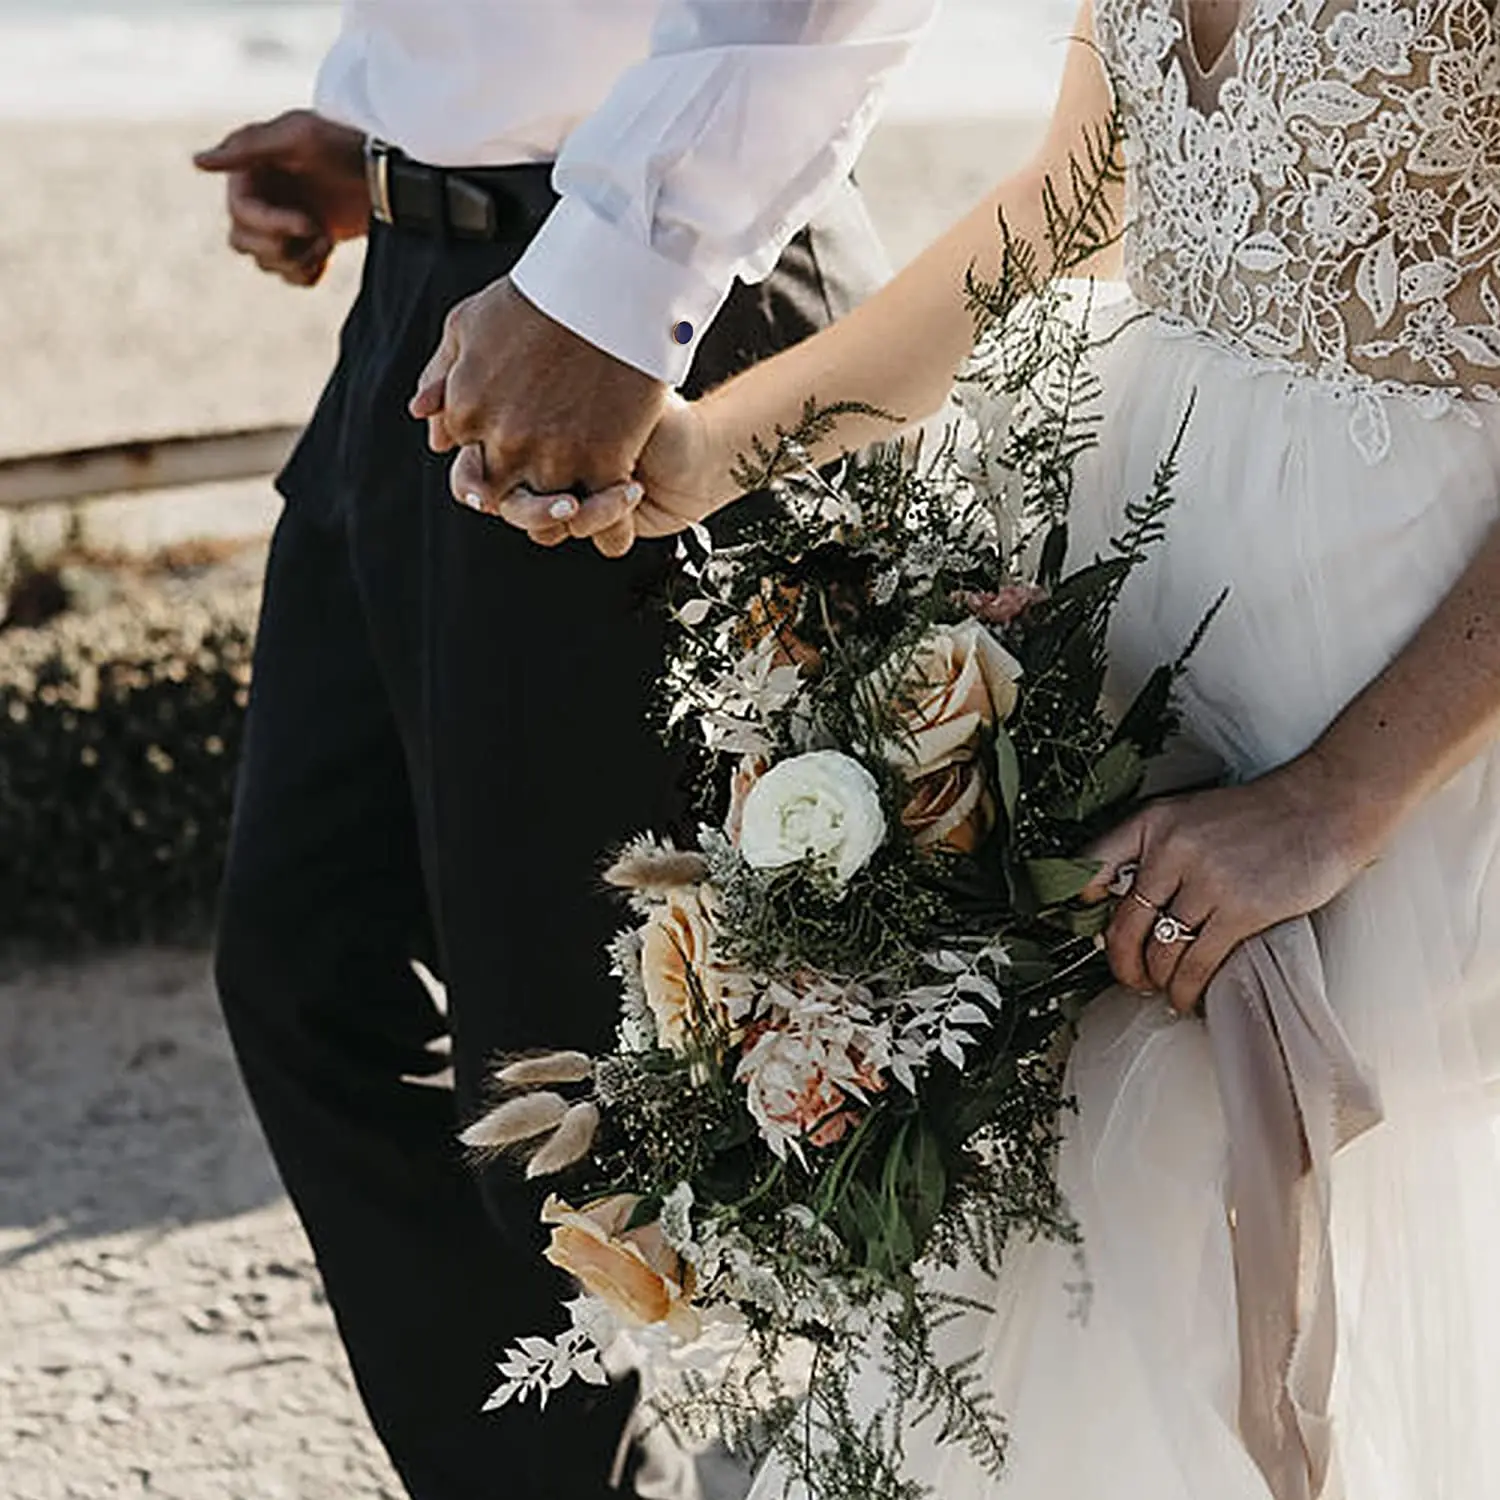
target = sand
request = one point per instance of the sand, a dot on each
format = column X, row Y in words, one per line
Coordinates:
column 162, row 1327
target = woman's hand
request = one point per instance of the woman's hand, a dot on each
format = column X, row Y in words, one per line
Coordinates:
column 679, row 481
column 1207, row 871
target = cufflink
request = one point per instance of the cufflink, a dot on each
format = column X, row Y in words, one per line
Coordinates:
column 683, row 333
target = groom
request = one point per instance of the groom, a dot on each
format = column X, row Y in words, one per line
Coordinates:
column 576, row 207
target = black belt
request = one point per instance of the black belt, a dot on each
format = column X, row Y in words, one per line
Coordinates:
column 469, row 203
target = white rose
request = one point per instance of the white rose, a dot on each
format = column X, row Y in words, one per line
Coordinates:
column 823, row 806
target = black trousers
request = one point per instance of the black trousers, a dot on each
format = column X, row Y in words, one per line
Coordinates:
column 448, row 727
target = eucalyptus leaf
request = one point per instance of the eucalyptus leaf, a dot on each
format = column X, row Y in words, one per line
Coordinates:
column 1058, row 881
column 1089, row 921
column 1008, row 767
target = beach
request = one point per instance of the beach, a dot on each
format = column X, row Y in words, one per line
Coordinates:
column 127, row 317
column 162, row 1328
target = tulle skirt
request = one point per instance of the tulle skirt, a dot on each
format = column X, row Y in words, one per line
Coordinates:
column 1118, row 1364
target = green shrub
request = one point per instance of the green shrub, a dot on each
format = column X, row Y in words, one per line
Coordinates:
column 120, row 731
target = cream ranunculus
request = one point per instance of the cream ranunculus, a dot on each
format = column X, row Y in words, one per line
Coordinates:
column 824, row 807
column 961, row 682
column 635, row 1273
column 676, row 961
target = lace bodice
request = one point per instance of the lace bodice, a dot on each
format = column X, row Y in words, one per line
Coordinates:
column 1327, row 195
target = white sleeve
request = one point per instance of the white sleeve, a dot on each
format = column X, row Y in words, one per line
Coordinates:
column 705, row 160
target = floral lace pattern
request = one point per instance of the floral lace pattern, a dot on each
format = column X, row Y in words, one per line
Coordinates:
column 1327, row 196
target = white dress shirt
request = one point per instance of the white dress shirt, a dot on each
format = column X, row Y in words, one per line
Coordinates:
column 693, row 138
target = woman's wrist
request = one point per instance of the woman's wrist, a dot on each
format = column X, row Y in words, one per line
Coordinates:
column 722, row 450
column 1358, row 811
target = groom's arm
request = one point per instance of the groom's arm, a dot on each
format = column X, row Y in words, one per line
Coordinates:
column 702, row 163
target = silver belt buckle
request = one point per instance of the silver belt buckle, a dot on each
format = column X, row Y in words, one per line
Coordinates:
column 378, row 176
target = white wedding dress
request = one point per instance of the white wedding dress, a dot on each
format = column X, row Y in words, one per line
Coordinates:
column 1314, row 236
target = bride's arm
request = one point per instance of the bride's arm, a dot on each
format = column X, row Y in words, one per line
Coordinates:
column 897, row 352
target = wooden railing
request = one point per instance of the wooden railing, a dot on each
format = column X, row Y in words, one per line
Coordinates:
column 130, row 468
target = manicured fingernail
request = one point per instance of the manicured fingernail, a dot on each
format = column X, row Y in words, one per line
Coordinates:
column 634, row 493
column 474, row 501
column 564, row 509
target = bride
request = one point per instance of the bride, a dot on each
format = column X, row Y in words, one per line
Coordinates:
column 1313, row 232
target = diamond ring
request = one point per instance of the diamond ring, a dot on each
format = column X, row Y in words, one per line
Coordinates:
column 1170, row 930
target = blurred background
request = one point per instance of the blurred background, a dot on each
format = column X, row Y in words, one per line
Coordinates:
column 162, row 1330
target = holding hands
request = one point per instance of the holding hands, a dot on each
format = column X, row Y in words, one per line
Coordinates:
column 550, row 427
column 667, row 487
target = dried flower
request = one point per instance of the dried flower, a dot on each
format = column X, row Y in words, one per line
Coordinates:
column 569, row 1143
column 651, row 867
column 520, row 1119
column 551, row 1067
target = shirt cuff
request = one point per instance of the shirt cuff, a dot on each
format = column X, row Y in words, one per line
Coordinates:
column 620, row 295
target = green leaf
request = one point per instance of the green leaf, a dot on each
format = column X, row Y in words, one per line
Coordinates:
column 1089, row 583
column 1148, row 720
column 987, row 1095
column 859, row 1219
column 1090, row 921
column 1057, row 881
column 1115, row 776
column 929, row 1185
column 1008, row 765
column 1054, row 555
column 647, row 1211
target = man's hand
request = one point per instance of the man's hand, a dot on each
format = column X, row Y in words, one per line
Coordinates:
column 296, row 189
column 534, row 405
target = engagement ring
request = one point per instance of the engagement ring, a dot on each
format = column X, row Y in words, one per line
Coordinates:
column 1170, row 930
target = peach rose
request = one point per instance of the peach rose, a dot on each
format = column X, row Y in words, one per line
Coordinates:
column 677, row 968
column 953, row 809
column 635, row 1273
column 960, row 684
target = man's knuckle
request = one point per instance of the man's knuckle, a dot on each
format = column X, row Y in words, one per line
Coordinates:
column 460, row 315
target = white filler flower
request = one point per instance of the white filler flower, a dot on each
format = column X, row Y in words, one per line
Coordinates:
column 823, row 806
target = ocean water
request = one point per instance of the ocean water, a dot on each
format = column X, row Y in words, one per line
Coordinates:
column 145, row 59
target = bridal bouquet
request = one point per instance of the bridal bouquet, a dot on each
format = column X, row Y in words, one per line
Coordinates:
column 845, row 1009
